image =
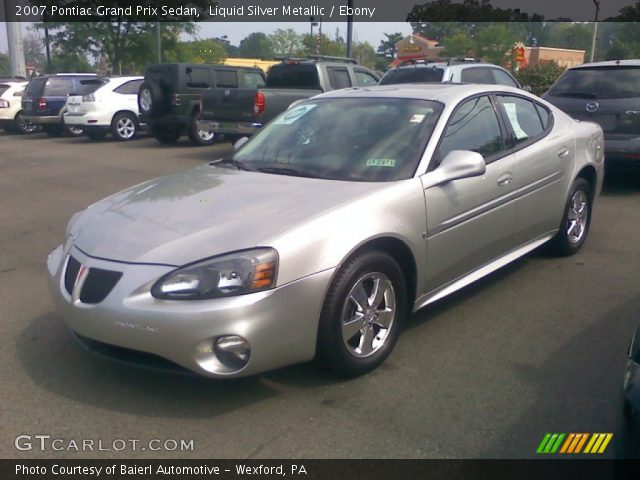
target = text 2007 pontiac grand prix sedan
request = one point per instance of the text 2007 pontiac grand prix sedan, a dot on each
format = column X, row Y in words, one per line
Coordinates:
column 325, row 230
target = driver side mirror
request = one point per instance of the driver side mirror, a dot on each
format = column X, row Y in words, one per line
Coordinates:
column 456, row 165
column 527, row 88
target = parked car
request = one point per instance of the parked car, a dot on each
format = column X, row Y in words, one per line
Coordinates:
column 175, row 95
column 326, row 229
column 103, row 105
column 459, row 70
column 607, row 93
column 11, row 118
column 290, row 81
column 44, row 100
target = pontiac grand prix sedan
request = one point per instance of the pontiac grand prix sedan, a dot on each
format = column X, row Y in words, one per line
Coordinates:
column 324, row 231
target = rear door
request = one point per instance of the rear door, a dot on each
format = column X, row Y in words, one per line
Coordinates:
column 128, row 95
column 233, row 96
column 56, row 90
column 32, row 93
column 544, row 160
column 471, row 221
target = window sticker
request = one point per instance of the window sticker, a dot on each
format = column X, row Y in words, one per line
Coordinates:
column 381, row 162
column 512, row 115
column 417, row 118
column 294, row 114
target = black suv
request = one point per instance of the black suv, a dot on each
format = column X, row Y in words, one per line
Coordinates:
column 607, row 93
column 44, row 101
column 174, row 96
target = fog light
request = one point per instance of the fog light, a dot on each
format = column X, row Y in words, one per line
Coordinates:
column 233, row 351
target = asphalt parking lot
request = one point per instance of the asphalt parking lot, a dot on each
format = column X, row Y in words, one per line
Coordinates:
column 537, row 347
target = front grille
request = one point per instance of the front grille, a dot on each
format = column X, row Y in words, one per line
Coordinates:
column 97, row 285
column 73, row 267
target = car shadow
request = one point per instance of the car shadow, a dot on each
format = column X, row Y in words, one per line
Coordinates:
column 56, row 362
column 618, row 183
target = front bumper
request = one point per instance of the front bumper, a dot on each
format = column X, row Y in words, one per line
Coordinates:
column 280, row 324
column 230, row 128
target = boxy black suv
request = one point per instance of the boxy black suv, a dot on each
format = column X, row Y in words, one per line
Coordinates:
column 174, row 96
column 607, row 93
column 44, row 100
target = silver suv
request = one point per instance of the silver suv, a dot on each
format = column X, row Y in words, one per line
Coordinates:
column 607, row 93
column 460, row 70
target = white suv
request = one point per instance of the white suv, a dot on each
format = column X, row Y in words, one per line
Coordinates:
column 460, row 70
column 11, row 107
column 104, row 105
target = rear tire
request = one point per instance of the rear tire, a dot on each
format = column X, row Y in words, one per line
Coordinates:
column 166, row 135
column 201, row 138
column 576, row 220
column 124, row 126
column 362, row 314
column 21, row 126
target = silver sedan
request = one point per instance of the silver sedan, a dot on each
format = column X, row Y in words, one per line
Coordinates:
column 322, row 233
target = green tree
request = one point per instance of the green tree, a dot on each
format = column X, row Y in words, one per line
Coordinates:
column 5, row 64
column 387, row 47
column 256, row 45
column 201, row 51
column 70, row 62
column 458, row 45
column 540, row 76
column 285, row 42
column 364, row 54
column 33, row 52
column 494, row 43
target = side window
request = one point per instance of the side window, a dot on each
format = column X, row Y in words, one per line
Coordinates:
column 253, row 80
column 365, row 79
column 522, row 117
column 545, row 115
column 197, row 77
column 338, row 77
column 226, row 79
column 58, row 87
column 503, row 78
column 476, row 75
column 129, row 88
column 473, row 126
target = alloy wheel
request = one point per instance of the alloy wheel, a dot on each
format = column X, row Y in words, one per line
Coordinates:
column 577, row 217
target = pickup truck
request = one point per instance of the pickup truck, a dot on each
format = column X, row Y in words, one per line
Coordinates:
column 293, row 79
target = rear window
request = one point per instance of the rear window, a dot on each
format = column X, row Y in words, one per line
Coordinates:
column 129, row 88
column 88, row 86
column 413, row 75
column 477, row 75
column 226, row 79
column 4, row 88
column 598, row 82
column 253, row 80
column 58, row 87
column 293, row 76
column 35, row 86
column 197, row 77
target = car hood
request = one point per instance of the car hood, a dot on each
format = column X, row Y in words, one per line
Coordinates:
column 187, row 216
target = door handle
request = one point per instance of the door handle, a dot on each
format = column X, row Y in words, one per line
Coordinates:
column 505, row 179
column 563, row 152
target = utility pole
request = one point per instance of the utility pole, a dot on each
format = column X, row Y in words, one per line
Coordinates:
column 595, row 30
column 158, row 43
column 350, row 29
column 14, row 39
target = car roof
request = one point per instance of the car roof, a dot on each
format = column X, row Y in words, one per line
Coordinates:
column 442, row 92
column 609, row 63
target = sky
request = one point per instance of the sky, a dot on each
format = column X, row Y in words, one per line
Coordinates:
column 371, row 32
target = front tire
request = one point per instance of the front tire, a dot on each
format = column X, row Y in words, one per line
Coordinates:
column 124, row 126
column 576, row 220
column 362, row 314
column 199, row 137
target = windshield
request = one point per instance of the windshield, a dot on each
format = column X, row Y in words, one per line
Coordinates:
column 361, row 139
column 413, row 75
column 601, row 83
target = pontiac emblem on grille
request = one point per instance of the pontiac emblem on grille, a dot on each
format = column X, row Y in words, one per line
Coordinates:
column 592, row 107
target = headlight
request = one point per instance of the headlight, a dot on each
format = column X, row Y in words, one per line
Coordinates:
column 232, row 274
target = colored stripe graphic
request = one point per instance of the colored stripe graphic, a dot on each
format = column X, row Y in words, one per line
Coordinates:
column 573, row 443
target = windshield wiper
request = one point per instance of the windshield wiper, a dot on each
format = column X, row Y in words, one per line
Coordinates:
column 230, row 161
column 286, row 171
column 575, row 95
